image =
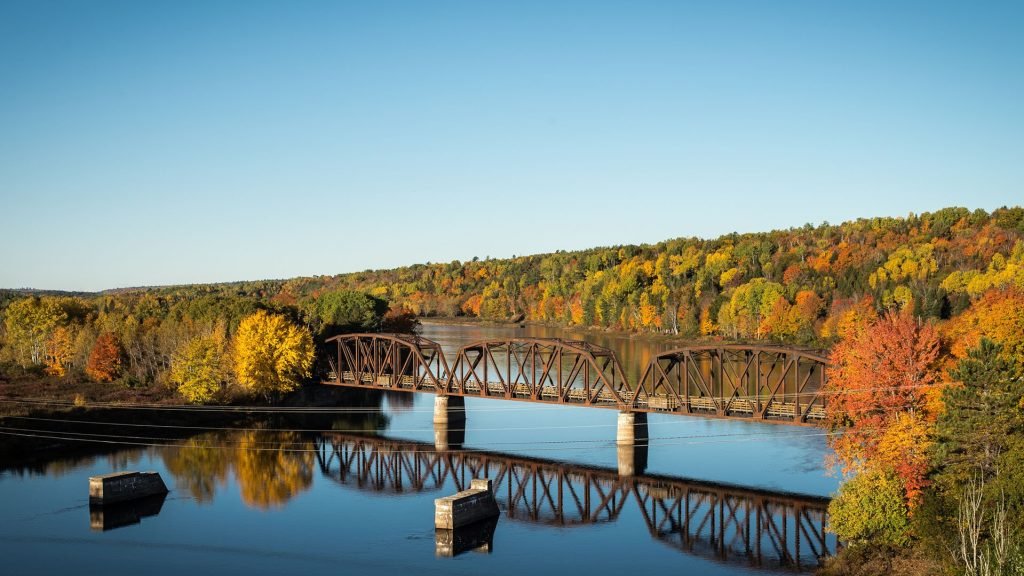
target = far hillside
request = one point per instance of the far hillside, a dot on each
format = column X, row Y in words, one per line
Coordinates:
column 785, row 285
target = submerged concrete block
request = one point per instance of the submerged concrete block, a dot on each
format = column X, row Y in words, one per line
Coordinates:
column 122, row 486
column 466, row 507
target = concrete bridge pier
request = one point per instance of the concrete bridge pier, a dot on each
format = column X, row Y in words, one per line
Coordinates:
column 631, row 442
column 450, row 410
column 632, row 428
column 449, row 422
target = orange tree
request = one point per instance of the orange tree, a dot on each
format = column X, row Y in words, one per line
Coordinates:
column 105, row 359
column 883, row 394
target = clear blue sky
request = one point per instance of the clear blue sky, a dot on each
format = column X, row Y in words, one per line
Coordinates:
column 167, row 142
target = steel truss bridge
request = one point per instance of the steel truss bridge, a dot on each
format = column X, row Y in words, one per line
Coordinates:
column 730, row 524
column 766, row 383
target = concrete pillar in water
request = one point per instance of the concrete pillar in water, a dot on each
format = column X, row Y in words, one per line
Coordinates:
column 631, row 440
column 632, row 428
column 450, row 409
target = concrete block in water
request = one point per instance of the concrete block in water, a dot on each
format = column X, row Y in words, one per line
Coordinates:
column 121, row 486
column 466, row 507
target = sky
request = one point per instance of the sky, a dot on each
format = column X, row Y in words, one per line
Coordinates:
column 172, row 142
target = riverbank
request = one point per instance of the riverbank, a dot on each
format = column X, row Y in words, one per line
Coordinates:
column 42, row 415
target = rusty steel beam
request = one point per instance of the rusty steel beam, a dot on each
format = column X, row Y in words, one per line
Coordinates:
column 548, row 370
column 765, row 383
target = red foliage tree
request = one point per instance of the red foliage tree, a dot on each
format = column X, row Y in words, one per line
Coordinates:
column 105, row 359
column 883, row 388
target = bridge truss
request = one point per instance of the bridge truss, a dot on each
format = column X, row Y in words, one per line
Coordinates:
column 765, row 383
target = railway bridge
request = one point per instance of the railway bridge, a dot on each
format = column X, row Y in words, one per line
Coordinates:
column 774, row 384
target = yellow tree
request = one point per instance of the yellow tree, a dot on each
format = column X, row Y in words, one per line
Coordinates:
column 59, row 350
column 198, row 369
column 29, row 323
column 271, row 354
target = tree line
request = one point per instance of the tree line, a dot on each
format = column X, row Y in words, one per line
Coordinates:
column 207, row 344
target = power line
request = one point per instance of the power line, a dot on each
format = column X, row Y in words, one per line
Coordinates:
column 563, row 444
column 673, row 422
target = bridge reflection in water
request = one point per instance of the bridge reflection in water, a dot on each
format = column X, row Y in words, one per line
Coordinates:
column 737, row 525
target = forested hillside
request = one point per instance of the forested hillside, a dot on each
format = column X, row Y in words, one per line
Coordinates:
column 790, row 285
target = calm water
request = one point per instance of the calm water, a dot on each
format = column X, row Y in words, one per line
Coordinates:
column 707, row 497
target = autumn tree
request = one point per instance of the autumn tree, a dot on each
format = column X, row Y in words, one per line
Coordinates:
column 749, row 306
column 104, row 362
column 60, row 350
column 997, row 315
column 882, row 390
column 199, row 369
column 400, row 320
column 870, row 507
column 28, row 323
column 271, row 355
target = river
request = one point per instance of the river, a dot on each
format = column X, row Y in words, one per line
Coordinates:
column 353, row 492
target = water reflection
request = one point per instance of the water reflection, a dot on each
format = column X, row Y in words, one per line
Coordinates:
column 273, row 467
column 756, row 528
column 731, row 524
column 476, row 537
column 270, row 467
column 103, row 517
column 201, row 465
